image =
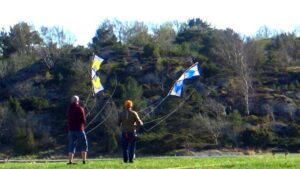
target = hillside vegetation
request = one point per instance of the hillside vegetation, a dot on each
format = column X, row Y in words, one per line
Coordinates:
column 246, row 97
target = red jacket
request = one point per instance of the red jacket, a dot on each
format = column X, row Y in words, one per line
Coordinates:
column 76, row 117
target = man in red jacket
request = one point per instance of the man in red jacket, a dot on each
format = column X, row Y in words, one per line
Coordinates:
column 76, row 122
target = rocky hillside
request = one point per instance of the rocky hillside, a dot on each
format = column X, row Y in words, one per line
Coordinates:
column 246, row 97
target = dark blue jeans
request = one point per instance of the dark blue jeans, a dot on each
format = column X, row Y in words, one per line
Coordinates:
column 128, row 145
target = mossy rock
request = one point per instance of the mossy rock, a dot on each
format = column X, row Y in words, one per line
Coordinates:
column 293, row 69
column 264, row 90
column 264, row 96
column 283, row 97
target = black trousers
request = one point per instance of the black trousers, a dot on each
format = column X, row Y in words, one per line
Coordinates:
column 128, row 145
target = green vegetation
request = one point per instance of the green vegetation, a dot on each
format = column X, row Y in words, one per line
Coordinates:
column 246, row 97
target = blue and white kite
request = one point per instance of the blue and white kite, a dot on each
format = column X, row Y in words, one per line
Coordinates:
column 177, row 88
column 188, row 74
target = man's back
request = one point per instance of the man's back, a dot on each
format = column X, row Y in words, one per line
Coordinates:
column 76, row 117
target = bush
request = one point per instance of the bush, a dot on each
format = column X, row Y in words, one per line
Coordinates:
column 60, row 78
column 253, row 120
column 292, row 87
column 148, row 142
column 297, row 84
column 34, row 103
column 120, row 49
column 111, row 141
column 16, row 107
column 180, row 50
column 24, row 141
column 257, row 137
column 151, row 50
column 48, row 76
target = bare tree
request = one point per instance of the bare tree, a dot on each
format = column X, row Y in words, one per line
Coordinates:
column 263, row 32
column 232, row 52
column 56, row 37
column 1, row 51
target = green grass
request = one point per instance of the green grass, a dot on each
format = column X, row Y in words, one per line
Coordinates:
column 242, row 162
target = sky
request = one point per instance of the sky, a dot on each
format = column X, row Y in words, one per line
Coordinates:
column 83, row 17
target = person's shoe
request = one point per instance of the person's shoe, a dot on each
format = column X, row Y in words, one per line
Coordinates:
column 69, row 163
column 131, row 161
column 83, row 162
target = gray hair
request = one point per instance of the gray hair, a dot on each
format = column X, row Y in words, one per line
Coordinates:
column 75, row 99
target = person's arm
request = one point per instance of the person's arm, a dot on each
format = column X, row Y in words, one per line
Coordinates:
column 83, row 116
column 137, row 119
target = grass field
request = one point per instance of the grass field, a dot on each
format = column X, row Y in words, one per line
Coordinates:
column 242, row 162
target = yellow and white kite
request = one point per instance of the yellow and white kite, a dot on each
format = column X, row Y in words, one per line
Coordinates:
column 95, row 78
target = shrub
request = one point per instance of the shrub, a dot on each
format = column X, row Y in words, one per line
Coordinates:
column 297, row 84
column 121, row 49
column 16, row 107
column 111, row 141
column 257, row 137
column 24, row 141
column 48, row 76
column 292, row 87
column 152, row 50
column 35, row 103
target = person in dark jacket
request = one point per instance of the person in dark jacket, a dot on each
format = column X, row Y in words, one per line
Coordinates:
column 128, row 121
column 76, row 122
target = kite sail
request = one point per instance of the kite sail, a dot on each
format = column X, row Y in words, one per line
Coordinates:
column 177, row 88
column 95, row 78
column 188, row 74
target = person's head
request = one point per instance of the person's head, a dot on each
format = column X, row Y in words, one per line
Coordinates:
column 75, row 99
column 128, row 104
